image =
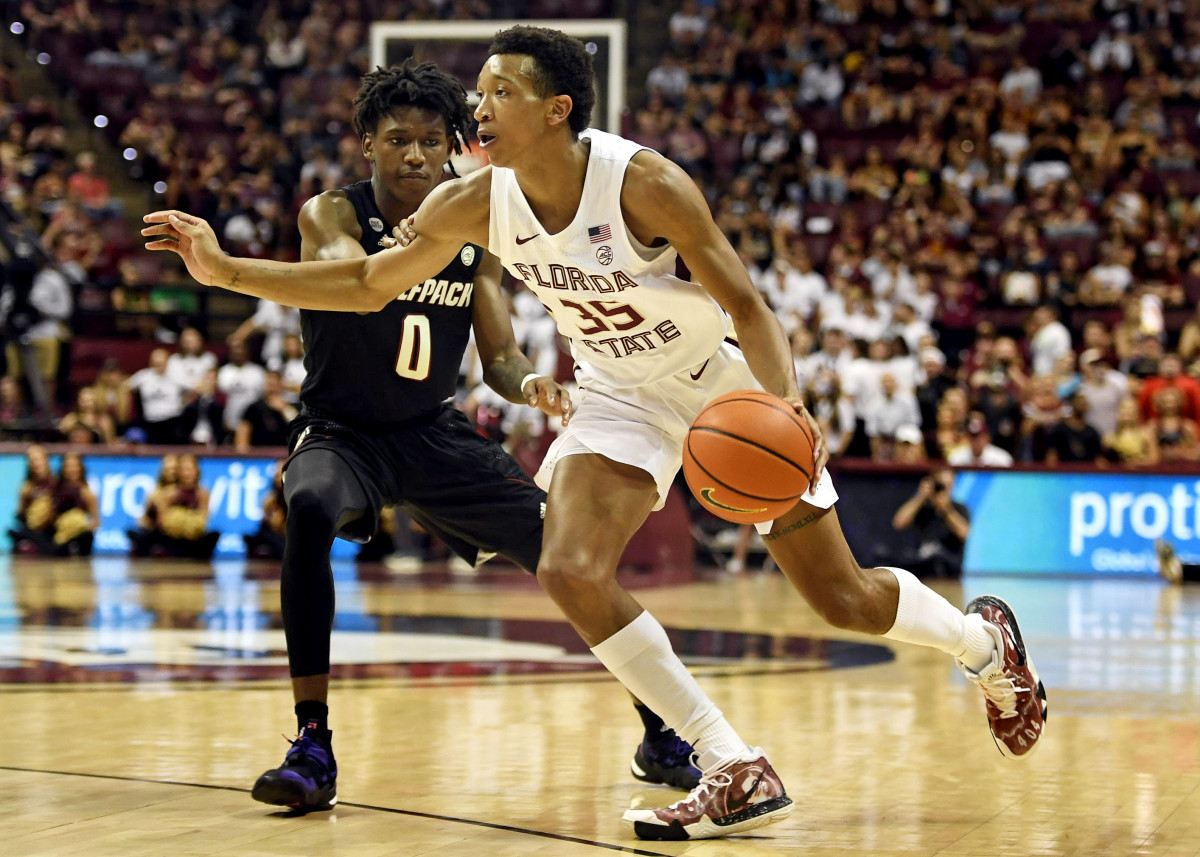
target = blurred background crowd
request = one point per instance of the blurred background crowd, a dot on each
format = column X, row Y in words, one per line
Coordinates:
column 976, row 220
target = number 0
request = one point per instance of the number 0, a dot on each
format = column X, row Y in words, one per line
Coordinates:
column 412, row 361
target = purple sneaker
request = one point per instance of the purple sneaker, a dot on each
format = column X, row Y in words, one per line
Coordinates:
column 307, row 779
column 665, row 759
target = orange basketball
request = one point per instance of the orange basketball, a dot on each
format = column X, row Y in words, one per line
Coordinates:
column 748, row 457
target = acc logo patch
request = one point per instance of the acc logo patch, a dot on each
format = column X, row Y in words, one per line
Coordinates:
column 604, row 255
column 376, row 224
column 467, row 255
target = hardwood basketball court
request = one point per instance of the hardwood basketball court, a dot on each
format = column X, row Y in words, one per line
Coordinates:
column 142, row 700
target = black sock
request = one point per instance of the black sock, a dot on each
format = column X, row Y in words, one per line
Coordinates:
column 653, row 723
column 311, row 714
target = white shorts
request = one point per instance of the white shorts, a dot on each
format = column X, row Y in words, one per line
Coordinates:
column 645, row 427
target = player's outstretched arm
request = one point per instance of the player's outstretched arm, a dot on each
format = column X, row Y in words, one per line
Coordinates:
column 328, row 224
column 505, row 367
column 362, row 284
column 654, row 186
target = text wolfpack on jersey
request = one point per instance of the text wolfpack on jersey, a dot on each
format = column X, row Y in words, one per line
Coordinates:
column 440, row 292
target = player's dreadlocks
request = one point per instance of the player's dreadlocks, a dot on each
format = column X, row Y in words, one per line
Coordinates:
column 564, row 67
column 412, row 85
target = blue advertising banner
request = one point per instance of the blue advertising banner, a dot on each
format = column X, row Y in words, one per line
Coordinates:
column 122, row 484
column 1077, row 523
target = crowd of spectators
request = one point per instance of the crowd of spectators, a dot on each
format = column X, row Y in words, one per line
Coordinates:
column 976, row 220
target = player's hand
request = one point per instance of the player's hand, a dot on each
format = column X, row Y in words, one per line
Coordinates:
column 820, row 451
column 549, row 397
column 191, row 238
column 406, row 231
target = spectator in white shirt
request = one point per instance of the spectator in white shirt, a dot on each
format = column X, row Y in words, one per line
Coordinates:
column 535, row 332
column 1107, row 281
column 1012, row 138
column 907, row 326
column 669, row 77
column 1049, row 339
column 1022, row 80
column 863, row 379
column 793, row 291
column 241, row 382
column 290, row 367
column 1111, row 51
column 50, row 297
column 274, row 322
column 160, row 398
column 892, row 280
column 1104, row 388
column 866, row 318
column 688, row 25
column 978, row 451
column 187, row 367
column 821, row 83
column 834, row 355
column 890, row 410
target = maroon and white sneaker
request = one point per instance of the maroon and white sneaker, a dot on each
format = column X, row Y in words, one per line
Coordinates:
column 1015, row 696
column 741, row 794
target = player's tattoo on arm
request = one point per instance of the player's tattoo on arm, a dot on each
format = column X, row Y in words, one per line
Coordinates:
column 791, row 528
column 233, row 281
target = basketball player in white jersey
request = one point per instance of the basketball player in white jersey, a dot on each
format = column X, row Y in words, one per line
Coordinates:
column 597, row 227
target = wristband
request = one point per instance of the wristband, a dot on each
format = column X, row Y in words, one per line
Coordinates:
column 527, row 379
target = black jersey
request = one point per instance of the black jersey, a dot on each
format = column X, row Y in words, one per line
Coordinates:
column 400, row 362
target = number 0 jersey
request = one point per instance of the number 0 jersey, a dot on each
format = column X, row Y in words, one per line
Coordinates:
column 630, row 313
column 400, row 362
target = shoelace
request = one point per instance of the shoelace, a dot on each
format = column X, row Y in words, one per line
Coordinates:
column 717, row 779
column 299, row 751
column 1002, row 692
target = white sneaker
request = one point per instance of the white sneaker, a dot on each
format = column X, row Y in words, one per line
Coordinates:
column 736, row 795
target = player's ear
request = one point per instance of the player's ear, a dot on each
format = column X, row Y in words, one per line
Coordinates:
column 368, row 147
column 560, row 109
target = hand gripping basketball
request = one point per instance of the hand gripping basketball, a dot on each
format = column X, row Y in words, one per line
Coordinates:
column 749, row 456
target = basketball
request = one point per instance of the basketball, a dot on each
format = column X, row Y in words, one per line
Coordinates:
column 748, row 457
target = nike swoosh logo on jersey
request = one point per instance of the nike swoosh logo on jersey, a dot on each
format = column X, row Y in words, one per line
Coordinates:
column 700, row 371
column 521, row 240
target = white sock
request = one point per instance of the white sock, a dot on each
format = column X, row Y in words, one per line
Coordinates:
column 927, row 619
column 640, row 656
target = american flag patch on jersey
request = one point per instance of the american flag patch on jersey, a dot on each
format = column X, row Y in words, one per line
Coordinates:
column 596, row 234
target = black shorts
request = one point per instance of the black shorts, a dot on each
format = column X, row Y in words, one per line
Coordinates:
column 459, row 485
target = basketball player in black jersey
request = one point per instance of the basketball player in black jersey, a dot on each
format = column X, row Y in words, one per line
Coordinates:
column 376, row 429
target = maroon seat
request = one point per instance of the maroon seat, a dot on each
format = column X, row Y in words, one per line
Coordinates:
column 821, row 119
column 1188, row 180
column 88, row 355
column 1040, row 39
column 870, row 212
column 994, row 212
column 1191, row 289
column 1175, row 319
column 818, row 247
column 1081, row 245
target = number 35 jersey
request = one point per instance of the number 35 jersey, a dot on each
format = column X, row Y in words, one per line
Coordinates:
column 400, row 362
column 630, row 312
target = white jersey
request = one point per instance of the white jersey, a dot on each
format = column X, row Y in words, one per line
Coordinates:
column 630, row 312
